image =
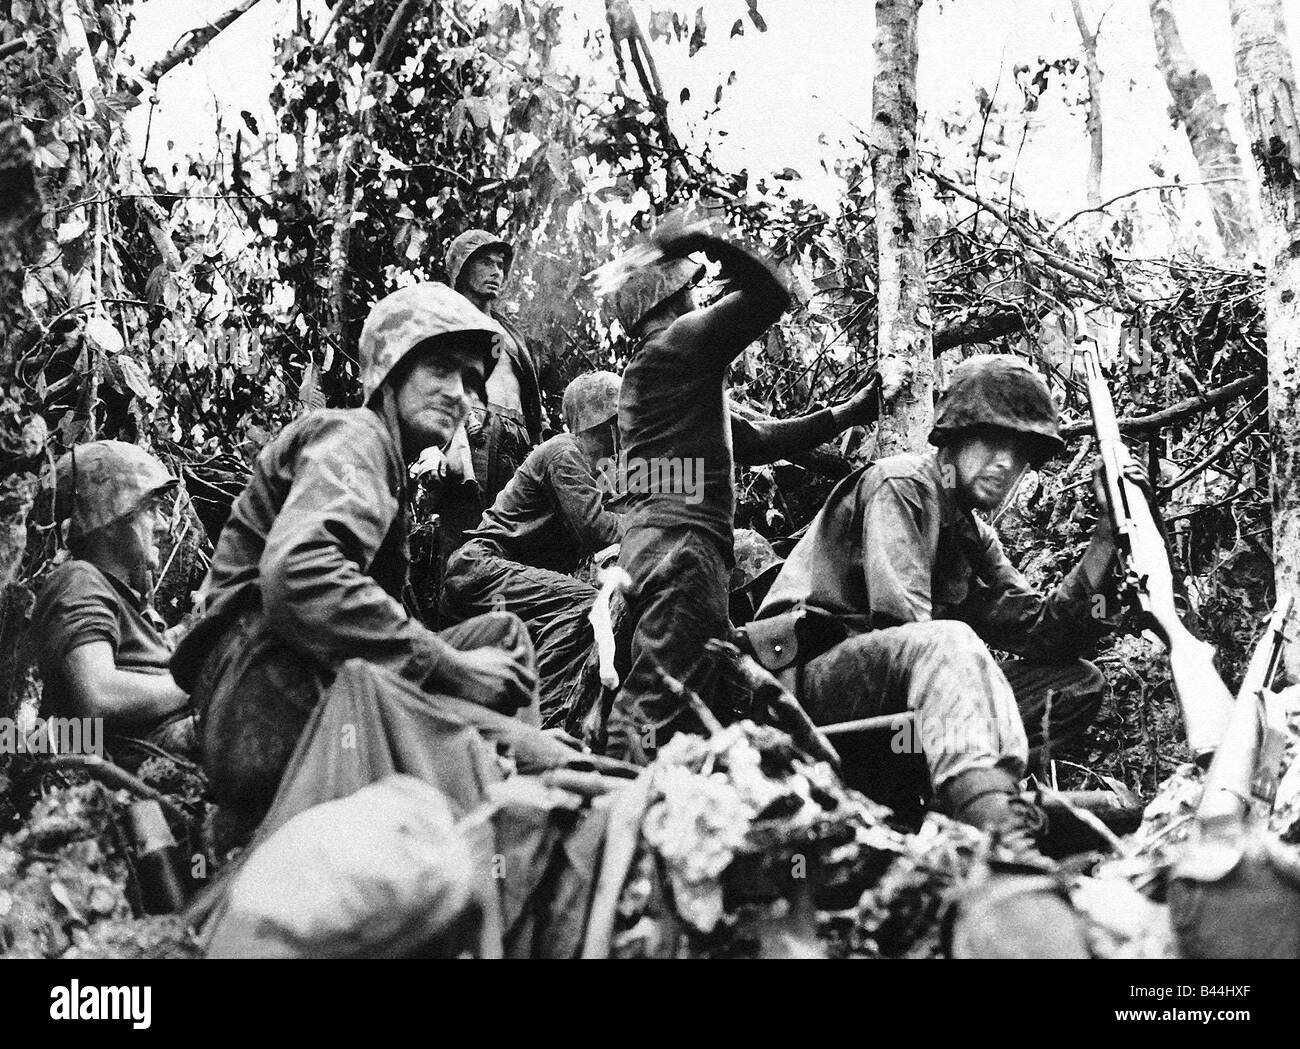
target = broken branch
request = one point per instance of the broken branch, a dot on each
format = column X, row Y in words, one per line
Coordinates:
column 1176, row 413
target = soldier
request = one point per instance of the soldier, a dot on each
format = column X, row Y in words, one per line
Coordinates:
column 548, row 519
column 100, row 645
column 507, row 422
column 311, row 569
column 922, row 586
column 673, row 420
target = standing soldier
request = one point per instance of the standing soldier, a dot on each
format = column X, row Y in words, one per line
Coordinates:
column 673, row 409
column 506, row 423
column 311, row 568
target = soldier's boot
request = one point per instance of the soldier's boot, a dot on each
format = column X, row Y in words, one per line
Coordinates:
column 990, row 800
column 1012, row 907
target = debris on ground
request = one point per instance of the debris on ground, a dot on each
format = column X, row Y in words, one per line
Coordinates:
column 65, row 884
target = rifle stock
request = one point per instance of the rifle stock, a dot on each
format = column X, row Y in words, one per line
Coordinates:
column 1204, row 700
column 1235, row 773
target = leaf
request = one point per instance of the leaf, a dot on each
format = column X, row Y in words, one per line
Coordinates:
column 250, row 121
column 478, row 111
column 685, row 96
column 701, row 28
column 136, row 379
column 71, row 228
column 104, row 334
column 35, row 297
column 787, row 175
column 52, row 155
column 309, row 393
column 59, row 891
column 738, row 29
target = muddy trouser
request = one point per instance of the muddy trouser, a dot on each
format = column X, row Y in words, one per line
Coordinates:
column 254, row 694
column 496, row 452
column 967, row 713
column 680, row 603
column 554, row 607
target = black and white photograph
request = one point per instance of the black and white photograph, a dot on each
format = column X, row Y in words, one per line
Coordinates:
column 652, row 479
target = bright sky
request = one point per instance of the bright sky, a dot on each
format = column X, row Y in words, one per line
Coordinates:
column 808, row 76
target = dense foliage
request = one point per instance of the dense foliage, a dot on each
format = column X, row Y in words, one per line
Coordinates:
column 199, row 307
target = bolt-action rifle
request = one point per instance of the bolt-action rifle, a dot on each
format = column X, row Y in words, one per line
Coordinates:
column 1249, row 759
column 1205, row 701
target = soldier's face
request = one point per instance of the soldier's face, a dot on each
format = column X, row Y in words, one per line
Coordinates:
column 988, row 464
column 138, row 536
column 434, row 396
column 484, row 274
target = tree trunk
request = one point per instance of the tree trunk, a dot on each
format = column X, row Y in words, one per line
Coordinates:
column 1266, row 84
column 1197, row 108
column 347, row 193
column 1095, row 153
column 903, row 342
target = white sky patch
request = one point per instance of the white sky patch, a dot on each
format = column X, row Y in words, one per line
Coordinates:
column 805, row 81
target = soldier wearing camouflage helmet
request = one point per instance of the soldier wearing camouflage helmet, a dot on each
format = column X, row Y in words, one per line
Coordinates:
column 673, row 410
column 550, row 517
column 99, row 642
column 312, row 566
column 507, row 422
column 901, row 557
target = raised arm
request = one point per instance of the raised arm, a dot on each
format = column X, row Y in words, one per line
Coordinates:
column 756, row 299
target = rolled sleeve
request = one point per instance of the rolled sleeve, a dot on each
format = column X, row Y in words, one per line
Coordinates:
column 900, row 538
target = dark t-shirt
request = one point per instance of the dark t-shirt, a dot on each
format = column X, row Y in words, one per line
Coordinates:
column 79, row 604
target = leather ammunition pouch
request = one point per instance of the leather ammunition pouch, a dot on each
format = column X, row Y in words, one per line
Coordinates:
column 784, row 643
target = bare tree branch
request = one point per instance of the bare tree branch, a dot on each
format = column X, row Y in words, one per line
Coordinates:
column 1174, row 413
column 195, row 41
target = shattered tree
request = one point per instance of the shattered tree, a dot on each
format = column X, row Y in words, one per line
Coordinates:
column 904, row 347
column 1095, row 151
column 1266, row 84
column 1197, row 108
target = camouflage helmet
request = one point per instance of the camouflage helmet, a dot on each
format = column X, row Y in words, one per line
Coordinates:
column 755, row 560
column 1003, row 391
column 469, row 244
column 101, row 482
column 649, row 287
column 402, row 320
column 590, row 400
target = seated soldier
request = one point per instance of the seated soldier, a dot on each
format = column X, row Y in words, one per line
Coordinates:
column 548, row 519
column 922, row 586
column 100, row 645
column 311, row 569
